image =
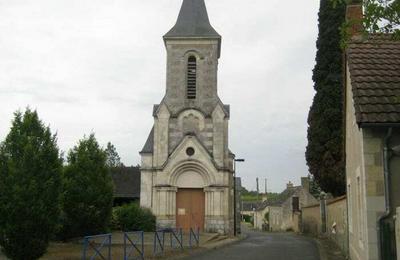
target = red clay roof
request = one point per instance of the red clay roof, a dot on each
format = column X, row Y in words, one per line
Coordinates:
column 374, row 66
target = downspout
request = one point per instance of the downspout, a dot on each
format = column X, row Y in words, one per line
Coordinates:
column 344, row 136
column 386, row 174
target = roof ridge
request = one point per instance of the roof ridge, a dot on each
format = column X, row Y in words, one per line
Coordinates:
column 192, row 21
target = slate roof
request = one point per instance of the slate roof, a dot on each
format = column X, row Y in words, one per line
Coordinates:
column 275, row 201
column 193, row 21
column 149, row 145
column 374, row 66
column 126, row 182
column 250, row 205
column 281, row 198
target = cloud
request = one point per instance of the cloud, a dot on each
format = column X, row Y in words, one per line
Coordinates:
column 100, row 66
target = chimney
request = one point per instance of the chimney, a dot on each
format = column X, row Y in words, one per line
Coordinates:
column 305, row 183
column 289, row 185
column 354, row 16
column 264, row 197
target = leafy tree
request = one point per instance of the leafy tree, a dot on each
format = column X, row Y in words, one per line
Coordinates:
column 30, row 177
column 380, row 16
column 324, row 153
column 87, row 191
column 113, row 159
column 315, row 190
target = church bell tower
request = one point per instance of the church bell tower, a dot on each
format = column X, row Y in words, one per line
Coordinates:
column 186, row 171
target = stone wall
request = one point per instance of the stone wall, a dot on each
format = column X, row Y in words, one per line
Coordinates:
column 311, row 220
column 275, row 218
column 337, row 222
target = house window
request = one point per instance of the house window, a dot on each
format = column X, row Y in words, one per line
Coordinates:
column 350, row 207
column 359, row 209
column 191, row 77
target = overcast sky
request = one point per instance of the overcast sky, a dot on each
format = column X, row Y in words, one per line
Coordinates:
column 100, row 65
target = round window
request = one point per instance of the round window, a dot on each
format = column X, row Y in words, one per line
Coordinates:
column 190, row 151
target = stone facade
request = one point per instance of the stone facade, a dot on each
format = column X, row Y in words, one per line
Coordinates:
column 365, row 181
column 365, row 192
column 275, row 218
column 305, row 198
column 188, row 147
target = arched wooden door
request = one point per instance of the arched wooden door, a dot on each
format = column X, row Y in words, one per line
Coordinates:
column 190, row 207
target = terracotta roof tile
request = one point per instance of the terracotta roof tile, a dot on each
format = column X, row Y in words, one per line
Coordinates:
column 374, row 66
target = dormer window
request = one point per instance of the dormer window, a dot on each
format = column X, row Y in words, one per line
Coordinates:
column 191, row 77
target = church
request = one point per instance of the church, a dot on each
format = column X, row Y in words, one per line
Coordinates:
column 186, row 164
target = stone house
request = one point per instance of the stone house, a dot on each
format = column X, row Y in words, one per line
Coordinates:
column 248, row 208
column 372, row 139
column 260, row 219
column 187, row 167
column 284, row 210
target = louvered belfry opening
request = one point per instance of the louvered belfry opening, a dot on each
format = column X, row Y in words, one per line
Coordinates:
column 191, row 77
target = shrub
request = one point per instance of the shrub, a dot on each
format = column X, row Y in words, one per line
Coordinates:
column 30, row 177
column 114, row 224
column 131, row 217
column 247, row 218
column 87, row 191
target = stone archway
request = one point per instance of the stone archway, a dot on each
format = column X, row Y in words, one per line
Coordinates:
column 190, row 180
column 182, row 173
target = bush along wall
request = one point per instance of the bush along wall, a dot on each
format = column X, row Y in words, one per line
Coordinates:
column 131, row 217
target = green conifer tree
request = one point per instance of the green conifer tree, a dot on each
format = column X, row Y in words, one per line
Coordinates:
column 324, row 152
column 30, row 178
column 87, row 191
column 112, row 157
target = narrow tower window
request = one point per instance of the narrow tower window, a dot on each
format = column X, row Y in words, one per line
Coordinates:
column 191, row 77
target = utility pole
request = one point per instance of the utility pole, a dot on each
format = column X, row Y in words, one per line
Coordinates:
column 258, row 190
column 235, row 208
column 266, row 186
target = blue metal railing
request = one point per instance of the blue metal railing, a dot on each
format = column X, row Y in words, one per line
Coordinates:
column 159, row 238
column 99, row 246
column 176, row 238
column 194, row 236
column 90, row 245
column 134, row 245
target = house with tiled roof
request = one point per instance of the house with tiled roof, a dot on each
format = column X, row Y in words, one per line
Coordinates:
column 372, row 139
column 282, row 213
column 126, row 182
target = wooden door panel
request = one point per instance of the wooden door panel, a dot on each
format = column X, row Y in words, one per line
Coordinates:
column 190, row 208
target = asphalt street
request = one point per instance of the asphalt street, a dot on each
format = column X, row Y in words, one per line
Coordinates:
column 261, row 245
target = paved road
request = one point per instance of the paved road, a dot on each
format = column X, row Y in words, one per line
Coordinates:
column 260, row 245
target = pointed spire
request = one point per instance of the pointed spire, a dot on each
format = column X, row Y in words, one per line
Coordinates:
column 192, row 22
